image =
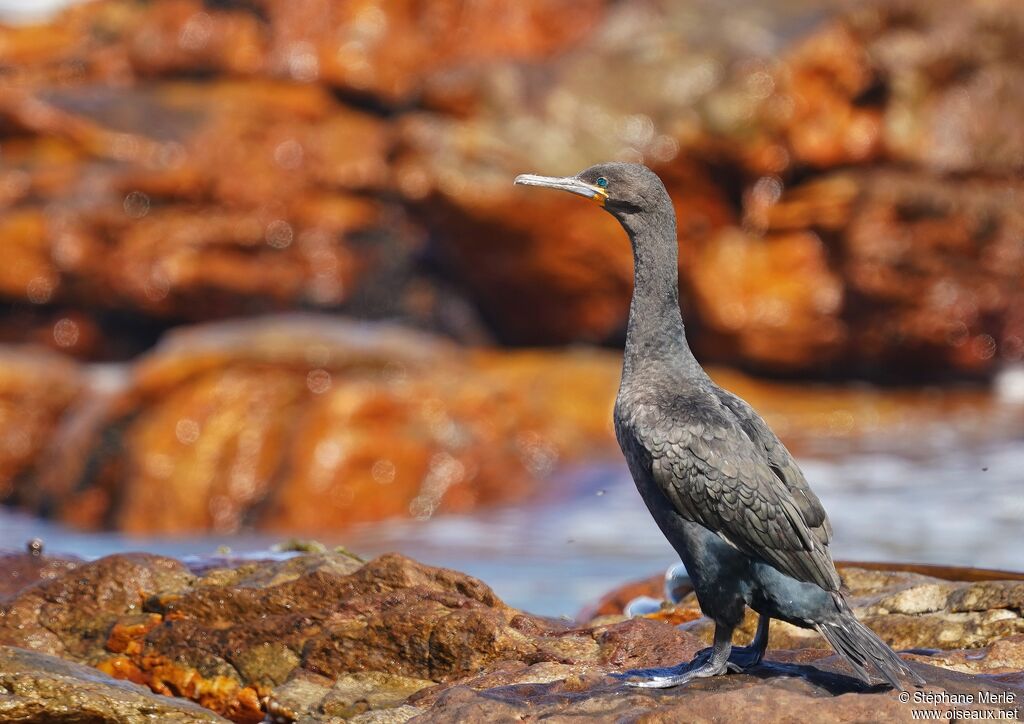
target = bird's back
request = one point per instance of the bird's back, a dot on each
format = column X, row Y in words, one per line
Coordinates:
column 716, row 462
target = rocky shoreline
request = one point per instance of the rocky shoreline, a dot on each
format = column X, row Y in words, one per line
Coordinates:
column 850, row 172
column 323, row 636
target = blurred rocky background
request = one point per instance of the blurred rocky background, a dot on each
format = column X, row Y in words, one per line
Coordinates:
column 176, row 174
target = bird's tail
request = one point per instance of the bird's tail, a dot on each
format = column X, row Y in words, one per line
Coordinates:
column 859, row 645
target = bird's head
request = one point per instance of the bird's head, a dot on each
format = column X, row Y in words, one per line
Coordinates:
column 622, row 189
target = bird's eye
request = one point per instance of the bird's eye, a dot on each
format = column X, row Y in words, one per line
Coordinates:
column 602, row 182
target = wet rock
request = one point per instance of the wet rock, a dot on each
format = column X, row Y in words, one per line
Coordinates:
column 42, row 688
column 320, row 633
column 36, row 388
column 823, row 697
column 71, row 615
column 20, row 570
column 962, row 609
column 313, row 424
column 323, row 637
column 370, row 696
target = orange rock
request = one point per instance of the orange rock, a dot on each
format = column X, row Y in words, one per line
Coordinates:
column 184, row 36
column 314, row 424
column 820, row 83
column 126, row 637
column 774, row 298
column 388, row 49
column 35, row 390
column 384, row 50
column 296, row 424
column 29, row 272
column 254, row 205
column 930, row 268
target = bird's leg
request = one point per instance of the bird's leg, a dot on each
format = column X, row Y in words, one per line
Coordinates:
column 743, row 656
column 752, row 655
column 717, row 663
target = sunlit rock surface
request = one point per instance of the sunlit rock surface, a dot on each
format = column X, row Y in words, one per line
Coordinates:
column 18, row 570
column 191, row 202
column 310, row 424
column 894, row 274
column 950, row 608
column 42, row 688
column 182, row 160
column 324, row 636
column 36, row 389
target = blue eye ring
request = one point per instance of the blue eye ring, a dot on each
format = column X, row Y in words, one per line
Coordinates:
column 602, row 182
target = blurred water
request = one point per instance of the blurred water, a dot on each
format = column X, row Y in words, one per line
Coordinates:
column 29, row 11
column 940, row 504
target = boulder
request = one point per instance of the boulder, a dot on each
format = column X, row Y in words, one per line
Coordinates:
column 910, row 607
column 36, row 389
column 305, row 423
column 19, row 570
column 325, row 637
column 42, row 688
column 204, row 201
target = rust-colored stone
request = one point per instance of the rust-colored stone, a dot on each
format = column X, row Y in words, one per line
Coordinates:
column 322, row 635
column 313, row 424
column 20, row 570
column 36, row 388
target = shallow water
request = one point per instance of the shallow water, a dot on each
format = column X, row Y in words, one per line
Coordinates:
column 935, row 504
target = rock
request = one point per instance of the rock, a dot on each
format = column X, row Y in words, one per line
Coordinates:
column 892, row 276
column 36, row 388
column 348, row 423
column 207, row 201
column 814, row 187
column 823, row 697
column 384, row 51
column 389, row 51
column 324, row 637
column 953, row 609
column 944, row 81
column 872, row 270
column 20, row 570
column 783, row 308
column 563, row 272
column 42, row 688
column 892, row 272
column 343, row 423
column 319, row 632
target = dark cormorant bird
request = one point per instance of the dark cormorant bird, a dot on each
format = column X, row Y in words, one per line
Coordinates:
column 721, row 486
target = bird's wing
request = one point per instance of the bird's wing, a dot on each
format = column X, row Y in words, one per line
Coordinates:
column 781, row 463
column 713, row 474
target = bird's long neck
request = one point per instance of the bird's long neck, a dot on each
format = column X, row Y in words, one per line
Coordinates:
column 655, row 333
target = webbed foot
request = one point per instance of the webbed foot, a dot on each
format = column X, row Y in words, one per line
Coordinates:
column 663, row 678
column 746, row 657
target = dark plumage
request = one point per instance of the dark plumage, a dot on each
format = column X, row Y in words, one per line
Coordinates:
column 721, row 486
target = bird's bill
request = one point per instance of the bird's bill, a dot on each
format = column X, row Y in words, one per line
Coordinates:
column 566, row 183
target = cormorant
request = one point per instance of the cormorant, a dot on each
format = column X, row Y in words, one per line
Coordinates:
column 722, row 488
